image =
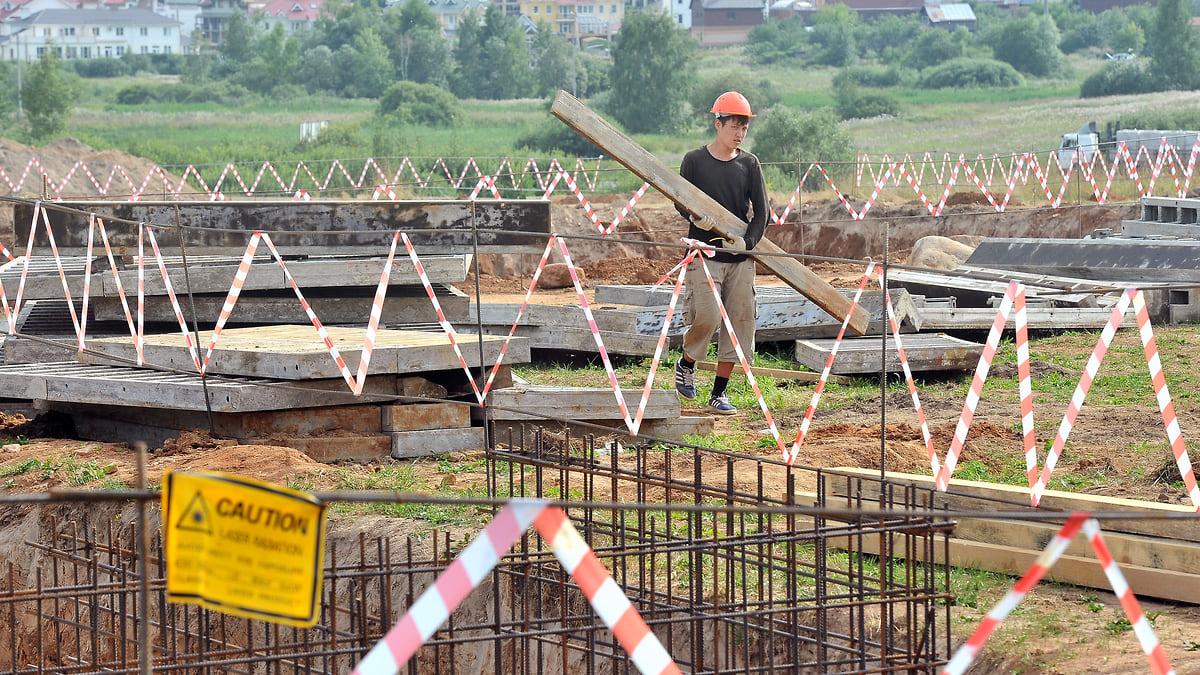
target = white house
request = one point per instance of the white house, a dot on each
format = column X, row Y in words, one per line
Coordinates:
column 92, row 34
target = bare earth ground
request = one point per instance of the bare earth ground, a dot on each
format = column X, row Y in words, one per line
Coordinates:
column 1057, row 629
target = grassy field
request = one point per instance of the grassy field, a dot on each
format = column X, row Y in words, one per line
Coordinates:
column 985, row 121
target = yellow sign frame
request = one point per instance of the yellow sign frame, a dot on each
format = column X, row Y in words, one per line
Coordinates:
column 243, row 546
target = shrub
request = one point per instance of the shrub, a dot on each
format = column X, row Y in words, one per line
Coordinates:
column 411, row 103
column 552, row 137
column 101, row 67
column 872, row 76
column 857, row 105
column 786, row 136
column 1118, row 77
column 968, row 73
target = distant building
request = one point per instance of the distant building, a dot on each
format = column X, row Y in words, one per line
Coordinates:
column 577, row 20
column 949, row 16
column 873, row 9
column 91, row 34
column 296, row 16
column 449, row 12
column 214, row 18
column 724, row 22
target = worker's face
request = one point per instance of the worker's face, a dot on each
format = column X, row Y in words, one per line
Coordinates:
column 731, row 131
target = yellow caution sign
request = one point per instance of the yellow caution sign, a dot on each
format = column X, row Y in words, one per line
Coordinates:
column 243, row 546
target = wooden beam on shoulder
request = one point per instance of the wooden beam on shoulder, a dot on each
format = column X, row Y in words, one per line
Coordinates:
column 649, row 168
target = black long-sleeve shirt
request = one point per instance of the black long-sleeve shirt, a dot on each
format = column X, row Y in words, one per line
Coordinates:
column 736, row 184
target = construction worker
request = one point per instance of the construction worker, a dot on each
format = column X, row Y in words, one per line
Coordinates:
column 733, row 177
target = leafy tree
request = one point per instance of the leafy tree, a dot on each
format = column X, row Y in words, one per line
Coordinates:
column 555, row 63
column 1175, row 46
column 853, row 103
column 320, row 72
column 240, row 42
column 776, row 40
column 372, row 67
column 493, row 59
column 785, row 139
column 833, row 36
column 1129, row 38
column 274, row 63
column 48, row 96
column 936, row 45
column 892, row 34
column 652, row 73
column 1029, row 43
column 418, row 50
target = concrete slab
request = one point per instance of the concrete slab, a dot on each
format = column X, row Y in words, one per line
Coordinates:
column 408, row 444
column 297, row 352
column 299, row 228
column 331, row 449
column 925, row 351
column 215, row 274
column 425, row 416
column 350, row 306
column 575, row 403
column 1111, row 259
column 72, row 382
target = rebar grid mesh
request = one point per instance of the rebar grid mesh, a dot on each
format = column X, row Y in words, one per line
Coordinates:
column 725, row 590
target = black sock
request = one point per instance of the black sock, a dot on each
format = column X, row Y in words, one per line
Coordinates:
column 719, row 386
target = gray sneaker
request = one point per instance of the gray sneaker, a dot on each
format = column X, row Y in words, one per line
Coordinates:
column 721, row 405
column 685, row 381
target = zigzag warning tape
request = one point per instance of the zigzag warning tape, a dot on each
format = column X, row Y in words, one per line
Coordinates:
column 449, row 329
column 966, row 653
column 464, row 574
column 1162, row 394
column 973, row 395
column 162, row 268
column 790, row 457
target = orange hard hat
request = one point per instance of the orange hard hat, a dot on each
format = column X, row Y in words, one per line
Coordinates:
column 731, row 103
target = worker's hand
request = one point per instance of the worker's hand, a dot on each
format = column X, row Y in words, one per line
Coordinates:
column 734, row 243
column 704, row 223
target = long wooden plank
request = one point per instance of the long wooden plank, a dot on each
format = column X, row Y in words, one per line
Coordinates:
column 1070, row 569
column 580, row 403
column 1177, row 522
column 650, row 169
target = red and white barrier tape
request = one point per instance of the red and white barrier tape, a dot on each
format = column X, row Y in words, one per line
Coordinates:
column 162, row 268
column 973, row 395
column 966, row 653
column 449, row 329
column 790, row 456
column 464, row 574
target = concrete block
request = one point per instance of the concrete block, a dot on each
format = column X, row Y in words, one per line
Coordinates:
column 425, row 416
column 335, row 448
column 406, row 444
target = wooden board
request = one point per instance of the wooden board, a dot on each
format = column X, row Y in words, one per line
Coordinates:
column 579, row 339
column 297, row 352
column 301, row 228
column 1070, row 569
column 925, row 352
column 650, row 169
column 1174, row 521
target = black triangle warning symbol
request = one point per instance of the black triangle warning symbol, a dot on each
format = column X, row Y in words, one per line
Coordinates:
column 195, row 516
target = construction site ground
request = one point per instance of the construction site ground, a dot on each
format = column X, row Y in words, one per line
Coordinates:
column 1056, row 629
